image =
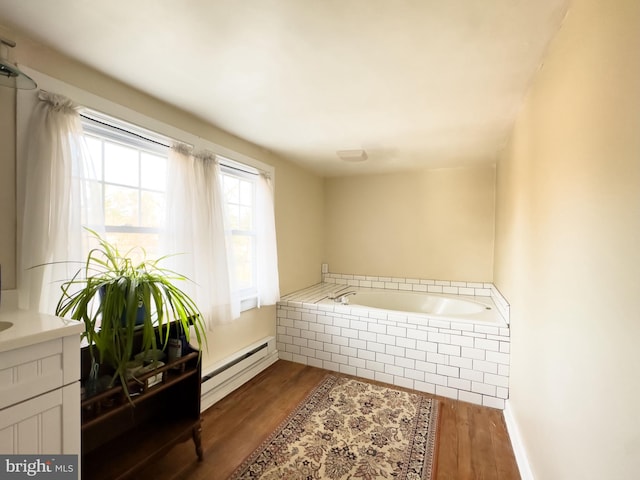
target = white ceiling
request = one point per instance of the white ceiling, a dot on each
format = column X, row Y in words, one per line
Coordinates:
column 416, row 83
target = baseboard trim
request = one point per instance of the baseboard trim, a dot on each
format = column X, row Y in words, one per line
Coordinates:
column 516, row 443
column 210, row 397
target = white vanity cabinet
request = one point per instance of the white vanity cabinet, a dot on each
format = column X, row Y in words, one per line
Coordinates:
column 39, row 384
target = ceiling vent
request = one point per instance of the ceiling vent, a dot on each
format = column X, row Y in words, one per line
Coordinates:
column 353, row 156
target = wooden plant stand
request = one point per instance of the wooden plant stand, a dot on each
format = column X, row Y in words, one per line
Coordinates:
column 119, row 437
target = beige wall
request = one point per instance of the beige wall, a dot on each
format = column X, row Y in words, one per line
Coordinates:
column 568, row 249
column 298, row 199
column 434, row 224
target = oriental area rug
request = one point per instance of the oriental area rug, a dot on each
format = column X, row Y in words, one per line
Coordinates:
column 348, row 428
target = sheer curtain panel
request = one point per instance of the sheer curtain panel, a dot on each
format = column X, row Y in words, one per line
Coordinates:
column 267, row 252
column 59, row 195
column 195, row 222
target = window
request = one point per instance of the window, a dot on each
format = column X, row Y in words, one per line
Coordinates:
column 131, row 165
column 132, row 172
column 239, row 189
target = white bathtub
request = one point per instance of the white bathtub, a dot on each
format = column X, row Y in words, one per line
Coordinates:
column 447, row 307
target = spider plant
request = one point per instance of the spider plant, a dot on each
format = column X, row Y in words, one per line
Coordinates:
column 115, row 297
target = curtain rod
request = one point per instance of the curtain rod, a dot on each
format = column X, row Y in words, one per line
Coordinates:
column 157, row 142
column 128, row 132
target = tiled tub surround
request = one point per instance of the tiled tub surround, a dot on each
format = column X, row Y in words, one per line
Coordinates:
column 453, row 358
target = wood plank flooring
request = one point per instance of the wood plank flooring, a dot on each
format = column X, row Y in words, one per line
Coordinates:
column 473, row 440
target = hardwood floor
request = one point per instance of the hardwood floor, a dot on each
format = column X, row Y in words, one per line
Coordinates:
column 473, row 440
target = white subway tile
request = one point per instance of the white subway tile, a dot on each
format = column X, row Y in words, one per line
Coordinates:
column 376, row 347
column 366, row 354
column 384, row 377
column 323, row 355
column 394, row 370
column 425, row 366
column 375, row 366
column 474, row 353
column 405, row 362
column 483, row 388
column 470, row 397
column 447, row 370
column 331, row 348
column 416, row 334
column 340, row 341
column 435, row 379
column 450, row 290
column 503, row 370
column 424, row 387
column 384, row 358
column 348, row 369
column 314, row 362
column 434, row 289
column 349, row 351
column 449, row 349
column 358, row 325
column 324, row 337
column 462, row 340
column 437, row 323
column 350, row 333
column 403, row 382
column 439, row 337
column 307, row 352
column 461, row 362
column 406, row 342
column 447, row 392
column 334, row 367
column 487, row 344
column 437, row 358
column 395, row 350
column 414, row 374
column 367, row 336
column 377, row 328
column 497, row 357
column 471, row 375
column 502, row 392
column 484, row 366
column 386, row 339
column 366, row 373
column 415, row 354
column 308, row 334
column 357, row 362
column 295, row 349
column 284, row 355
column 466, row 291
column 493, row 402
column 497, row 380
column 397, row 331
column 459, row 383
column 299, row 359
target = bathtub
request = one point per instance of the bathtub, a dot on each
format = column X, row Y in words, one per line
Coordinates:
column 459, row 308
column 456, row 346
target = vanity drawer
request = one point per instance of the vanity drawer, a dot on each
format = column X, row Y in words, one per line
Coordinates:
column 30, row 371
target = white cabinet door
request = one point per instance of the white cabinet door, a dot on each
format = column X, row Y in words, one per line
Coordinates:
column 43, row 425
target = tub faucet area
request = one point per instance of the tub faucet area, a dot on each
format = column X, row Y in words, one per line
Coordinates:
column 341, row 297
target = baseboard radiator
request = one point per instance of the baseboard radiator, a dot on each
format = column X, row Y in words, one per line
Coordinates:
column 222, row 378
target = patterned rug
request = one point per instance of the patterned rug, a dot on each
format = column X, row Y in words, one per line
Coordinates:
column 350, row 429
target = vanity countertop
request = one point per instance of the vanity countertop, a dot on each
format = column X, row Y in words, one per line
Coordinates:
column 30, row 328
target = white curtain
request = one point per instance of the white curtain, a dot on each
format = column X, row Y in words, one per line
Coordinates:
column 195, row 222
column 59, row 195
column 267, row 252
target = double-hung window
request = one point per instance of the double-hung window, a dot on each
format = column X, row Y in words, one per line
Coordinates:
column 131, row 169
column 239, row 189
column 131, row 166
